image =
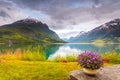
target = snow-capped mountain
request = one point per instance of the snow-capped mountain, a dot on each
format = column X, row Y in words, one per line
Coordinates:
column 108, row 32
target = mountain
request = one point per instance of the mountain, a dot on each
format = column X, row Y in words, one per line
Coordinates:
column 27, row 30
column 71, row 39
column 108, row 32
column 65, row 39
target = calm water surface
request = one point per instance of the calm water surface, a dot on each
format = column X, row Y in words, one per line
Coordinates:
column 53, row 50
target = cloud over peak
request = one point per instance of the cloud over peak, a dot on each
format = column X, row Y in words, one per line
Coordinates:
column 61, row 14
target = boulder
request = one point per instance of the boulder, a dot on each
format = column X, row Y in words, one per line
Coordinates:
column 106, row 73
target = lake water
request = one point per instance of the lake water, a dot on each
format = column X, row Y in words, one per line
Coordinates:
column 53, row 50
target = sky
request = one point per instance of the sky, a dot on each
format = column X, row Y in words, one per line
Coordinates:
column 66, row 17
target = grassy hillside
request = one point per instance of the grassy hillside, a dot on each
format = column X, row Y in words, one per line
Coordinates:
column 27, row 31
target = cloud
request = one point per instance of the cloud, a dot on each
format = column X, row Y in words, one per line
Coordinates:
column 3, row 14
column 67, row 33
column 72, row 11
column 61, row 14
column 104, row 8
column 9, row 12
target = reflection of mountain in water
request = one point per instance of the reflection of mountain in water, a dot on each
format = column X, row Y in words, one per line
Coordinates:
column 95, row 47
column 5, row 47
column 51, row 49
column 48, row 49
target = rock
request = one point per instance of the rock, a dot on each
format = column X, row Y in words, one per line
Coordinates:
column 106, row 73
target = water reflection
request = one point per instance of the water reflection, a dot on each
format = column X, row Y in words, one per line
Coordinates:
column 62, row 51
column 78, row 48
column 52, row 50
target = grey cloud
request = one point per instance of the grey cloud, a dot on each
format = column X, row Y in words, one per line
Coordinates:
column 65, row 12
column 66, row 9
column 5, row 3
column 61, row 14
column 4, row 14
column 106, row 8
column 9, row 12
column 96, row 1
column 55, row 8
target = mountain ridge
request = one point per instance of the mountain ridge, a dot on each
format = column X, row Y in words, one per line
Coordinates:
column 108, row 32
column 28, row 30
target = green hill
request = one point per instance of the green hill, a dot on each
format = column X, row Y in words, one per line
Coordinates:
column 27, row 30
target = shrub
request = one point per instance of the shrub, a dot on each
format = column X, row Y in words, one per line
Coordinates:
column 112, row 56
column 67, row 58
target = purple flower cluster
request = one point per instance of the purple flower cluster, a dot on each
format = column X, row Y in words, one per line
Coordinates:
column 90, row 60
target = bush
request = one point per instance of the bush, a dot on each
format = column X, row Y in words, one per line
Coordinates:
column 67, row 58
column 113, row 57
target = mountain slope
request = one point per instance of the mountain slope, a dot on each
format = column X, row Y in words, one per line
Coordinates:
column 108, row 32
column 27, row 30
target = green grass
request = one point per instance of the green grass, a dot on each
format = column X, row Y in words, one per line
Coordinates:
column 34, row 54
column 28, row 66
column 109, row 57
column 35, row 70
column 67, row 58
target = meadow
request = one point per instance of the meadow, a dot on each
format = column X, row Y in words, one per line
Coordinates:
column 33, row 65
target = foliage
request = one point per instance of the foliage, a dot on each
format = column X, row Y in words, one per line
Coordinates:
column 90, row 60
column 34, row 54
column 71, row 58
column 112, row 57
column 67, row 58
column 24, row 33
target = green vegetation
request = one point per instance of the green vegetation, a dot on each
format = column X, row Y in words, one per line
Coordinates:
column 108, row 57
column 35, row 70
column 37, row 54
column 24, row 33
column 34, row 54
column 107, row 40
column 112, row 57
column 98, row 41
column 31, row 64
column 67, row 58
